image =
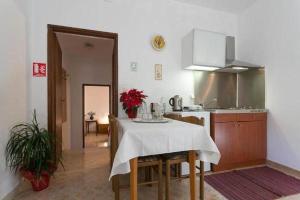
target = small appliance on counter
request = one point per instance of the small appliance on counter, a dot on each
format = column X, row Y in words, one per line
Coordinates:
column 176, row 103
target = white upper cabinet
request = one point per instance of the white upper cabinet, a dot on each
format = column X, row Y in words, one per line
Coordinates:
column 203, row 50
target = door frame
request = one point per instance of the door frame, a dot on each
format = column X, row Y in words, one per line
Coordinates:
column 83, row 102
column 52, row 29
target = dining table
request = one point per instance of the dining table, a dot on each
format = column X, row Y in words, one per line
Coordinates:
column 137, row 139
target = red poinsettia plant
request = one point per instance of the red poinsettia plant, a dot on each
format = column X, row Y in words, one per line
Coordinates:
column 131, row 101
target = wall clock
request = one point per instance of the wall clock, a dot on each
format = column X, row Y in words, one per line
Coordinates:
column 158, row 42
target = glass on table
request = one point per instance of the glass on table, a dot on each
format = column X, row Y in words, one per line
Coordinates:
column 143, row 112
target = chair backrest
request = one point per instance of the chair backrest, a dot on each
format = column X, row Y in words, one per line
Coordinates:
column 173, row 116
column 113, row 128
column 193, row 120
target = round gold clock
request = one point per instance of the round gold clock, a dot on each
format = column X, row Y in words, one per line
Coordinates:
column 158, row 42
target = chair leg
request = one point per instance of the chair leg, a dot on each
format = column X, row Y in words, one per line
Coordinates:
column 192, row 159
column 116, row 187
column 168, row 179
column 201, row 180
column 146, row 170
column 179, row 170
column 149, row 175
column 160, row 181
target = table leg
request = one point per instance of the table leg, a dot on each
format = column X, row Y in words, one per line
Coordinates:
column 201, row 180
column 133, row 179
column 97, row 128
column 192, row 161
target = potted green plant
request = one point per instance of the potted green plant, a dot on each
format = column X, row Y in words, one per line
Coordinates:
column 29, row 151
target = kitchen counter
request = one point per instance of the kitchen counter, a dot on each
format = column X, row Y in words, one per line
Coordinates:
column 237, row 110
column 224, row 111
column 240, row 137
column 229, row 128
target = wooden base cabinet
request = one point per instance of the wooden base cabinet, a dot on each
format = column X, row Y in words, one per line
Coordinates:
column 241, row 139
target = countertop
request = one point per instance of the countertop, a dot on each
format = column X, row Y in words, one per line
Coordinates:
column 238, row 110
column 227, row 110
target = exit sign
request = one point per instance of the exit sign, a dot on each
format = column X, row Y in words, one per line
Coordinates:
column 39, row 69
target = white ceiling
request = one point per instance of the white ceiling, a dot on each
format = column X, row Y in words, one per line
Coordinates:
column 75, row 45
column 232, row 6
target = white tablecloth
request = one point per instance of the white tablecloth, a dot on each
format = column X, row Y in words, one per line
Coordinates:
column 143, row 139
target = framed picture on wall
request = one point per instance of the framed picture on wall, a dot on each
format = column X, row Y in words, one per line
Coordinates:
column 158, row 71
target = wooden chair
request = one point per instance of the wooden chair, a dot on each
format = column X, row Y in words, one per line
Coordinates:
column 173, row 116
column 147, row 162
column 197, row 121
column 178, row 158
column 193, row 120
column 178, row 117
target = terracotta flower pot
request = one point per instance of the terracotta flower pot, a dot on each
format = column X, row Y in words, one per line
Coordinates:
column 132, row 113
column 38, row 184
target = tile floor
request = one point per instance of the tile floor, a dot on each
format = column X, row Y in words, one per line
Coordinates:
column 86, row 178
column 93, row 140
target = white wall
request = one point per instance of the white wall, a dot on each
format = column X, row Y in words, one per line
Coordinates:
column 269, row 35
column 84, row 71
column 12, row 81
column 96, row 99
column 136, row 21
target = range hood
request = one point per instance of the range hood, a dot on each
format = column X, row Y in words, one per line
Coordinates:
column 231, row 62
column 203, row 50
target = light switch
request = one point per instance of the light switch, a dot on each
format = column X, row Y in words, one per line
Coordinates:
column 133, row 66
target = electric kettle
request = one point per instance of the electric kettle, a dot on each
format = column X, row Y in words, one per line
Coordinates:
column 176, row 103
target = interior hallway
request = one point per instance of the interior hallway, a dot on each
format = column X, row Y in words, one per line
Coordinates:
column 86, row 178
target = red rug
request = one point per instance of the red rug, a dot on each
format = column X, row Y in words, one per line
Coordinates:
column 262, row 183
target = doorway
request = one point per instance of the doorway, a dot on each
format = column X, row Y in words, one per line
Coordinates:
column 56, row 76
column 96, row 108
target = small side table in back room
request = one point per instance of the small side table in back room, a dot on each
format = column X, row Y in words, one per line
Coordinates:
column 88, row 122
